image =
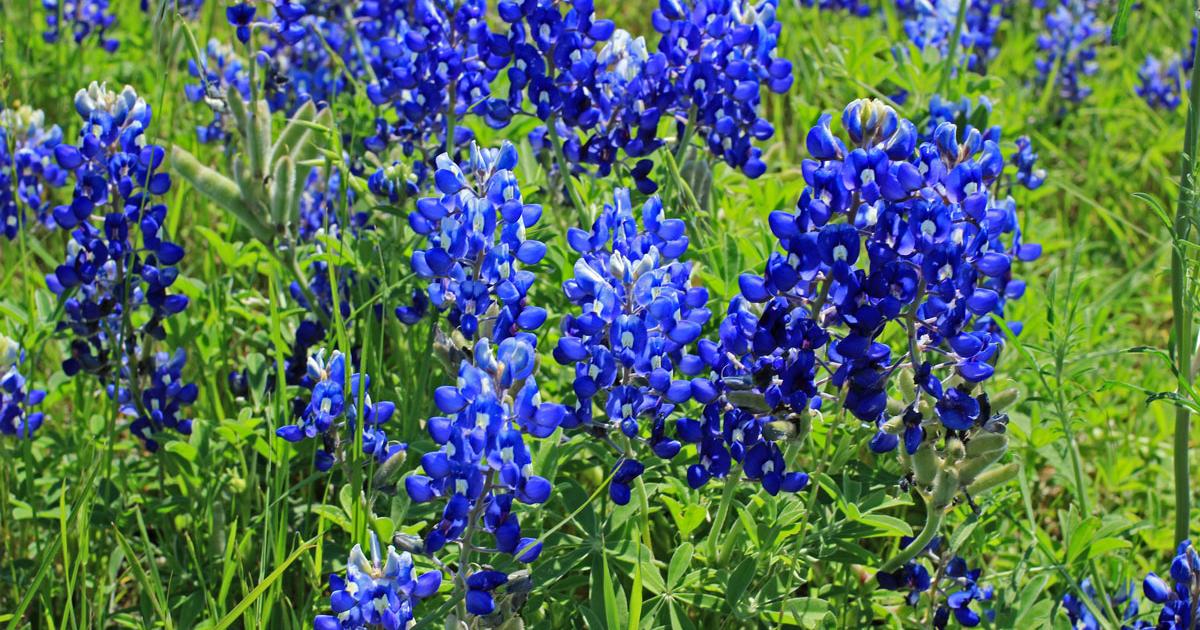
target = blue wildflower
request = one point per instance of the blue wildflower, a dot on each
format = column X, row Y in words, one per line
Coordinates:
column 219, row 71
column 17, row 400
column 29, row 171
column 1069, row 49
column 377, row 593
column 82, row 18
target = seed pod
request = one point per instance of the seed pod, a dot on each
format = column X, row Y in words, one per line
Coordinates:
column 895, row 407
column 994, row 478
column 384, row 474
column 1004, row 399
column 895, row 426
column 945, row 486
column 779, row 430
column 749, row 400
column 908, row 386
column 803, row 423
column 925, row 464
column 986, row 443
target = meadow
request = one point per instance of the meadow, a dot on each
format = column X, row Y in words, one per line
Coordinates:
column 597, row 314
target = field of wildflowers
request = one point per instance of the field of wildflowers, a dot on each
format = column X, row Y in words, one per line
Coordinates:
column 345, row 314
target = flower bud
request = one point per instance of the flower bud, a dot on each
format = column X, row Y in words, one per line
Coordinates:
column 954, row 450
column 749, row 400
column 779, row 430
column 895, row 426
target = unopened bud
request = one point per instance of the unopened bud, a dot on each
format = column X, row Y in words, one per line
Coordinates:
column 985, row 443
column 408, row 542
column 954, row 450
column 384, row 474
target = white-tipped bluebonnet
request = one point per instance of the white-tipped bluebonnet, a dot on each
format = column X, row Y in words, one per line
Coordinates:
column 1068, row 49
column 638, row 312
column 476, row 245
column 18, row 401
column 81, row 19
column 28, row 172
column 119, row 258
column 957, row 588
column 377, row 593
column 332, row 413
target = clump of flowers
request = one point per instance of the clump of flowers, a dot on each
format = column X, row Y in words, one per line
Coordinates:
column 954, row 586
column 932, row 24
column 332, row 413
column 893, row 232
column 719, row 55
column 119, row 259
column 27, row 168
column 82, row 19
column 1178, row 598
column 1068, row 48
column 638, row 311
column 1161, row 82
column 218, row 71
column 17, row 400
column 483, row 466
column 376, row 593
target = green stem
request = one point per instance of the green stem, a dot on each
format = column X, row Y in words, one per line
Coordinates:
column 933, row 522
column 727, row 495
column 561, row 159
column 1181, row 309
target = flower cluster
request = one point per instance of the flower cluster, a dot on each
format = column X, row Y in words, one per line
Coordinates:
column 16, row 400
column 1068, row 48
column 637, row 314
column 957, row 584
column 476, row 243
column 932, row 24
column 483, row 466
column 1161, row 82
column 119, row 258
column 720, row 53
column 376, row 593
column 330, row 413
column 1178, row 599
column 976, row 114
column 82, row 18
column 29, row 170
column 858, row 8
column 219, row 71
column 1082, row 617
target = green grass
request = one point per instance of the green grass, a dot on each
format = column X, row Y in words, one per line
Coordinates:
column 231, row 528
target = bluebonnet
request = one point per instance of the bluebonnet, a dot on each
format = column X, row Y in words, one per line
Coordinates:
column 1178, row 598
column 17, row 400
column 163, row 399
column 298, row 65
column 638, row 312
column 859, row 8
column 380, row 592
column 975, row 114
column 932, row 23
column 332, row 413
column 720, row 53
column 1160, row 82
column 1081, row 615
column 1068, row 49
column 483, row 465
column 241, row 16
column 118, row 258
column 219, row 70
column 82, row 19
column 27, row 168
column 955, row 584
column 476, row 243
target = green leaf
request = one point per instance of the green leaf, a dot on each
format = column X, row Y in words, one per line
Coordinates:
column 739, row 580
column 1121, row 22
column 680, row 561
